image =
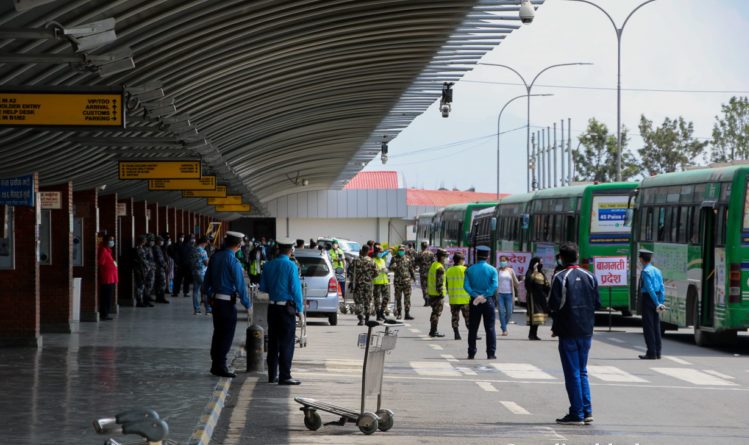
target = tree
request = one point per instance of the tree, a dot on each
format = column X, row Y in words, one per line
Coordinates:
column 595, row 158
column 731, row 131
column 670, row 147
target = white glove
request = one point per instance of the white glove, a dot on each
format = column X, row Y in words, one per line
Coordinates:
column 479, row 300
column 661, row 308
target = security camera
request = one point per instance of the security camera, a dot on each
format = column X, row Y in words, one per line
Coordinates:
column 527, row 13
column 445, row 110
column 384, row 147
column 305, row 182
column 384, row 158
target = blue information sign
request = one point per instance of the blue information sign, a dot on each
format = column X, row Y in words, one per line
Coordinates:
column 18, row 191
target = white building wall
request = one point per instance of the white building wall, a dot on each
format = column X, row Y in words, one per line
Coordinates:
column 385, row 230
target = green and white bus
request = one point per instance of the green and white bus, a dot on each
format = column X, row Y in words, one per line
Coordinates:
column 455, row 222
column 593, row 216
column 424, row 228
column 697, row 224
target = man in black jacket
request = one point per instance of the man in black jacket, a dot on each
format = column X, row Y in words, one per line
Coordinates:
column 572, row 303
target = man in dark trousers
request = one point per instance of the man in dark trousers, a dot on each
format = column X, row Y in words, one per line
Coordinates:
column 481, row 282
column 224, row 282
column 573, row 302
column 653, row 298
column 280, row 279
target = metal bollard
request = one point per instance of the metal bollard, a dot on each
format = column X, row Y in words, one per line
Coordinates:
column 254, row 345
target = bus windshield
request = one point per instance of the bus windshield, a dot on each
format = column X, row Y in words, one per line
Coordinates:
column 609, row 214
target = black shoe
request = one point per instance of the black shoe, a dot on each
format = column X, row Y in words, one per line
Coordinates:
column 534, row 339
column 223, row 373
column 570, row 420
column 658, row 357
column 408, row 316
column 140, row 305
column 457, row 334
column 436, row 334
column 175, row 295
column 162, row 301
column 361, row 322
column 426, row 304
column 290, row 382
column 273, row 380
column 470, row 357
column 105, row 318
column 647, row 357
column 491, row 357
column 588, row 418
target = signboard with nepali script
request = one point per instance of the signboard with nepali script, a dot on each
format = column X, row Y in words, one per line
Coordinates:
column 18, row 191
column 517, row 260
column 611, row 271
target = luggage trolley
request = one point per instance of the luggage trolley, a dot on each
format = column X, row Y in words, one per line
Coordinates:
column 301, row 322
column 375, row 346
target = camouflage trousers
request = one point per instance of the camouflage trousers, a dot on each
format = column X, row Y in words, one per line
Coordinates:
column 437, row 304
column 456, row 310
column 362, row 299
column 381, row 297
column 148, row 285
column 423, row 281
column 159, row 284
column 402, row 297
column 140, row 286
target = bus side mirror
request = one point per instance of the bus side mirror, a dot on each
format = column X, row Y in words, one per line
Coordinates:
column 494, row 224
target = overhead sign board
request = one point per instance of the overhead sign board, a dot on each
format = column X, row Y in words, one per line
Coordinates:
column 610, row 270
column 204, row 183
column 61, row 109
column 234, row 208
column 50, row 200
column 220, row 192
column 18, row 191
column 159, row 170
column 229, row 200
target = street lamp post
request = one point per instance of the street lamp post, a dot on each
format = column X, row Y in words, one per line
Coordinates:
column 499, row 129
column 528, row 90
column 619, row 32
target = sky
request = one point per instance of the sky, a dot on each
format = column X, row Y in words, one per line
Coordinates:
column 694, row 48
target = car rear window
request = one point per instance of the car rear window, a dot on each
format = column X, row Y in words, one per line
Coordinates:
column 313, row 267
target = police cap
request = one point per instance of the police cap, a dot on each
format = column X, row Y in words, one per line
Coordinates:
column 646, row 254
column 285, row 242
column 441, row 253
column 234, row 237
column 483, row 251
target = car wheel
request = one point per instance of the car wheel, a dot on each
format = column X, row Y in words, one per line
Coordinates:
column 333, row 319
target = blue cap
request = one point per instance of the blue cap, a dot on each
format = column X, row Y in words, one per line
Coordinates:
column 483, row 249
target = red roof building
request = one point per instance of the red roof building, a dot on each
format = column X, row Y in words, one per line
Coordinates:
column 373, row 180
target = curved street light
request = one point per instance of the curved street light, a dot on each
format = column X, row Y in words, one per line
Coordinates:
column 528, row 90
column 619, row 32
column 499, row 128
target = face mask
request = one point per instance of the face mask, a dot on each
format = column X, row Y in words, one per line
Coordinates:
column 168, row 242
column 110, row 243
column 503, row 264
column 181, row 240
column 401, row 253
column 151, row 243
column 559, row 262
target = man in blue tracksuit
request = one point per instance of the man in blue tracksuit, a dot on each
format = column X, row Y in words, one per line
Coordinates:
column 280, row 279
column 481, row 284
column 653, row 297
column 572, row 303
column 223, row 283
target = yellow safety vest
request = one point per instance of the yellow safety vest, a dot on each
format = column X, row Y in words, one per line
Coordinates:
column 382, row 278
column 455, row 277
column 336, row 259
column 432, row 280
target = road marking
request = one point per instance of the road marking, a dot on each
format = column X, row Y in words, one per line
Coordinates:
column 466, row 371
column 414, row 330
column 450, row 358
column 486, row 386
column 408, row 325
column 435, row 369
column 641, row 348
column 720, row 375
column 524, row 371
column 693, row 376
column 613, row 374
column 617, row 340
column 677, row 360
column 343, row 365
column 436, row 347
column 515, row 408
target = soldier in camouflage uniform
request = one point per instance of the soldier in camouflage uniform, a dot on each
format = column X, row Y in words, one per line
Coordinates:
column 424, row 260
column 402, row 267
column 141, row 266
column 151, row 272
column 437, row 289
column 159, row 283
column 361, row 272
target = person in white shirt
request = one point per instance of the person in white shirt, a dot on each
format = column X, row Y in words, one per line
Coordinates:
column 506, row 292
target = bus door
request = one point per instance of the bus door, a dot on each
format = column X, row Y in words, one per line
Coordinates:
column 708, row 228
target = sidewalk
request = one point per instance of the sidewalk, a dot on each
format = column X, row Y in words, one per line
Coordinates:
column 149, row 357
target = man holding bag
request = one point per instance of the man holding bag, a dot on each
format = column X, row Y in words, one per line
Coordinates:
column 481, row 284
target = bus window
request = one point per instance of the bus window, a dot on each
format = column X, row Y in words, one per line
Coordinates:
column 674, row 220
column 547, row 227
column 720, row 227
column 660, row 234
column 683, row 225
column 570, row 229
column 694, row 225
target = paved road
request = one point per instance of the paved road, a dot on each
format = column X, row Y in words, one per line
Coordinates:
column 692, row 396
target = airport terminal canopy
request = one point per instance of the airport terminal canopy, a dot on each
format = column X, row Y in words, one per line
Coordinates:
column 272, row 95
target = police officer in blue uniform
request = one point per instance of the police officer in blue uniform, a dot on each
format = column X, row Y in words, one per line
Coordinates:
column 224, row 282
column 280, row 279
column 653, row 299
column 481, row 282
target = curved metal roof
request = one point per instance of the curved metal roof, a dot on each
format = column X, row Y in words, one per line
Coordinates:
column 276, row 92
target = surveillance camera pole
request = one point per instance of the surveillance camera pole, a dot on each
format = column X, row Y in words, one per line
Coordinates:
column 619, row 32
column 528, row 89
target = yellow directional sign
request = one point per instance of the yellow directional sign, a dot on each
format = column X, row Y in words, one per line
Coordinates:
column 242, row 208
column 94, row 109
column 220, row 192
column 159, row 170
column 204, row 183
column 229, row 200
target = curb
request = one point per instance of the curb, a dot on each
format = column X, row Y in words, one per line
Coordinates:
column 203, row 431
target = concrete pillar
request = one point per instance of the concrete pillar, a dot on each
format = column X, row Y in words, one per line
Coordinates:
column 86, row 205
column 126, row 226
column 154, row 224
column 164, row 220
column 19, row 319
column 108, row 223
column 56, row 278
column 189, row 224
column 179, row 221
column 141, row 220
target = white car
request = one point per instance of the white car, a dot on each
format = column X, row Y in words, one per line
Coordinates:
column 323, row 294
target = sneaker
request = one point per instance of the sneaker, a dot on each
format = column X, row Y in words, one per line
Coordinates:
column 569, row 419
column 588, row 419
column 504, row 334
column 196, row 313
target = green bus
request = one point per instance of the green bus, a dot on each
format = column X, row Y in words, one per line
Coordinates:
column 424, row 228
column 593, row 216
column 697, row 224
column 454, row 222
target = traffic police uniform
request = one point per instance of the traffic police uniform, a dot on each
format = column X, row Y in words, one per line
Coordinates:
column 338, row 259
column 653, row 298
column 381, row 292
column 436, row 289
column 481, row 279
column 224, row 281
column 459, row 298
column 280, row 279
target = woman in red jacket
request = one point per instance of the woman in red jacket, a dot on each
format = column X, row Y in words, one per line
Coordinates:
column 107, row 277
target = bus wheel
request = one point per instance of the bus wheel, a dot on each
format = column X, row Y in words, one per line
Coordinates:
column 701, row 338
column 726, row 337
